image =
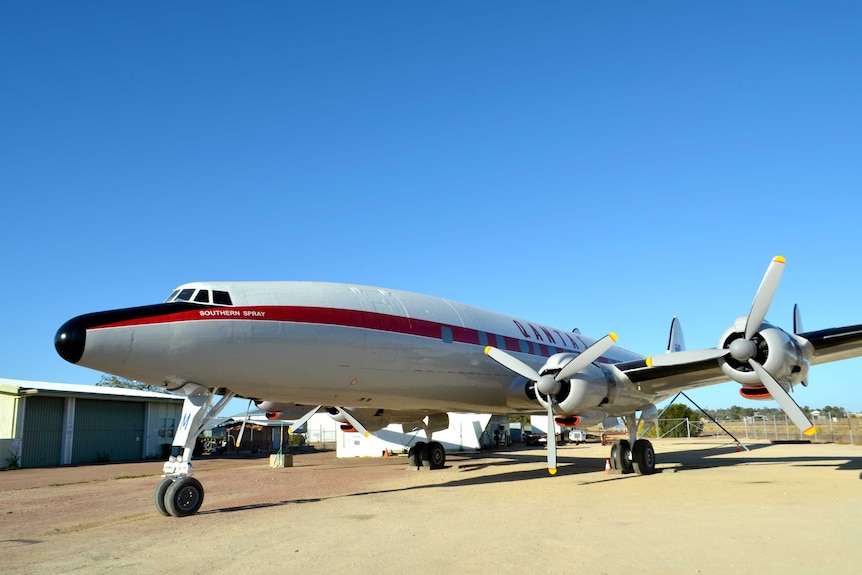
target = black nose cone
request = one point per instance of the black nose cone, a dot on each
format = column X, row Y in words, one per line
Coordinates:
column 70, row 339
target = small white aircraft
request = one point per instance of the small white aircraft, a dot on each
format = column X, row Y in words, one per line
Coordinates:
column 373, row 357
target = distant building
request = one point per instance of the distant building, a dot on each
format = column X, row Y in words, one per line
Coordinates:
column 44, row 424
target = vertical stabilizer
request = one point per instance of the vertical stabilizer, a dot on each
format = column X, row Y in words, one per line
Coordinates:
column 676, row 342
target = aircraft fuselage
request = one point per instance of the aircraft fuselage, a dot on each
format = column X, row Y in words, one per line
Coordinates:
column 324, row 344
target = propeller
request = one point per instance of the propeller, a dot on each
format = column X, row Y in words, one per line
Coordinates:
column 549, row 385
column 764, row 295
column 353, row 421
column 745, row 350
column 790, row 407
column 244, row 420
column 302, row 420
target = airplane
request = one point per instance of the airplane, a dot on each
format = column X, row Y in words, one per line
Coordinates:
column 372, row 357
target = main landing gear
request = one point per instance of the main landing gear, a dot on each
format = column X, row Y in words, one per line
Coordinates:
column 638, row 458
column 179, row 494
column 431, row 455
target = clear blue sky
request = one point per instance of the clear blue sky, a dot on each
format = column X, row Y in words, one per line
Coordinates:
column 592, row 165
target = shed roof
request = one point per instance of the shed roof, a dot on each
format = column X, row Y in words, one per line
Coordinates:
column 22, row 387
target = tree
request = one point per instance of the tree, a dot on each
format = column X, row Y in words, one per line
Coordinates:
column 679, row 411
column 108, row 380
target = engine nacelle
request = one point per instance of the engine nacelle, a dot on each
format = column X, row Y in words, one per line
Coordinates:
column 274, row 406
column 377, row 419
column 780, row 353
column 585, row 392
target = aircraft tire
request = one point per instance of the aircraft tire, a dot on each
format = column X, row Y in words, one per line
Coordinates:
column 159, row 495
column 184, row 497
column 416, row 454
column 436, row 455
column 624, row 459
column 615, row 456
column 643, row 457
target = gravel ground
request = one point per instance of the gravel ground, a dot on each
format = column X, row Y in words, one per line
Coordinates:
column 710, row 509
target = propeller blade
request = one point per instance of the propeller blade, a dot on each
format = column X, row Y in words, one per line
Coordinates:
column 685, row 357
column 303, row 420
column 793, row 411
column 512, row 363
column 353, row 421
column 244, row 420
column 587, row 357
column 552, row 438
column 763, row 298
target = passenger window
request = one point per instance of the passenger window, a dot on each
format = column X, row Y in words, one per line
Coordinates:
column 203, row 296
column 221, row 298
column 185, row 295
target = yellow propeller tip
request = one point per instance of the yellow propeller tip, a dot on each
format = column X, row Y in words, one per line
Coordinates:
column 649, row 361
column 552, row 470
column 487, row 349
column 613, row 336
column 779, row 259
column 810, row 431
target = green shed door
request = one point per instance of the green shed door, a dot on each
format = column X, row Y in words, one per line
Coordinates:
column 108, row 431
column 43, row 431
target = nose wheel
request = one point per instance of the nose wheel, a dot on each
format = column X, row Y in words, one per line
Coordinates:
column 178, row 496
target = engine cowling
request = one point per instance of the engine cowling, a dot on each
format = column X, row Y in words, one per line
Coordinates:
column 780, row 353
column 377, row 419
column 579, row 394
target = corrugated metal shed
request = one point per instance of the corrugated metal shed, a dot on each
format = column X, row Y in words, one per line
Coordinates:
column 45, row 423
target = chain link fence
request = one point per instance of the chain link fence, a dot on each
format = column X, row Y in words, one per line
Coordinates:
column 829, row 429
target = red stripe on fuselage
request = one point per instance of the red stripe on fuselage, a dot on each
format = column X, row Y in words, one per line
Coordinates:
column 341, row 318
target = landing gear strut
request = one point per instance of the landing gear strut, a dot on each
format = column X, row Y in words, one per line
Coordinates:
column 179, row 494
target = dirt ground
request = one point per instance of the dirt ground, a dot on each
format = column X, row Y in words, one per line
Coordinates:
column 709, row 509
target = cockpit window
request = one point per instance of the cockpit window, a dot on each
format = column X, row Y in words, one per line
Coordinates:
column 200, row 296
column 221, row 298
column 185, row 295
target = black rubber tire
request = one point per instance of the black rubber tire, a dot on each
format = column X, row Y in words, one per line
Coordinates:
column 625, row 456
column 436, row 455
column 184, row 497
column 416, row 454
column 643, row 457
column 615, row 456
column 159, row 495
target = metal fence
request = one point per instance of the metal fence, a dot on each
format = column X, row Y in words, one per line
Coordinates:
column 829, row 429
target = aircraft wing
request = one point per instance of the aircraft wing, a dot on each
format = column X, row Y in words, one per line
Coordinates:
column 835, row 343
column 825, row 345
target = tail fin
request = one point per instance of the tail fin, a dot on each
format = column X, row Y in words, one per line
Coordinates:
column 676, row 341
